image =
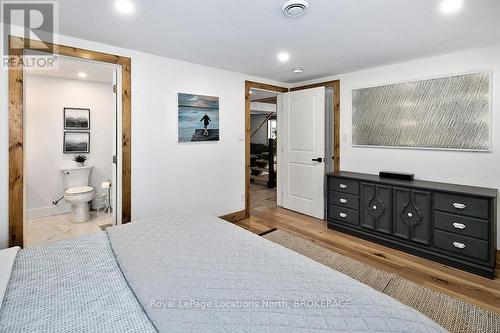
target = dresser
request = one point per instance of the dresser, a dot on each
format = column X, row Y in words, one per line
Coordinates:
column 451, row 224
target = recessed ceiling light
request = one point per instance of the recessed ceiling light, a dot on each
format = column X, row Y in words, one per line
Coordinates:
column 283, row 56
column 451, row 6
column 125, row 7
column 298, row 70
column 82, row 74
column 294, row 8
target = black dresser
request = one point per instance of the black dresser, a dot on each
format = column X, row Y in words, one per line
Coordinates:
column 451, row 224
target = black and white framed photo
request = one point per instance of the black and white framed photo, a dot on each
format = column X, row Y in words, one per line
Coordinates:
column 76, row 142
column 76, row 119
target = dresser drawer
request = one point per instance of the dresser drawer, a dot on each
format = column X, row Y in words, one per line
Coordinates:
column 343, row 214
column 461, row 244
column 343, row 200
column 466, row 226
column 344, row 185
column 460, row 204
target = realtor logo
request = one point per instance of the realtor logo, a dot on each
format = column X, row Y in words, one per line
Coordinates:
column 35, row 22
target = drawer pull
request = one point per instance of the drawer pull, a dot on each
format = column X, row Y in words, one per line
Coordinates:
column 459, row 225
column 459, row 205
column 459, row 245
column 343, row 186
column 343, row 201
column 343, row 215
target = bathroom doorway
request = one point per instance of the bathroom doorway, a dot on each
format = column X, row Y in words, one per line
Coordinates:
column 71, row 140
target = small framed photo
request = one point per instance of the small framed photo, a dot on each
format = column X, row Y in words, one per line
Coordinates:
column 76, row 142
column 76, row 119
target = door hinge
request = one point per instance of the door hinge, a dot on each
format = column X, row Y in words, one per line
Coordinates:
column 114, row 88
column 115, row 159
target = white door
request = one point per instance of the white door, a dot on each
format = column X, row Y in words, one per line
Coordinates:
column 303, row 144
column 114, row 176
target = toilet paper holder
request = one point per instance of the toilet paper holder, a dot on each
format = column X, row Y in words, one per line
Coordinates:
column 107, row 185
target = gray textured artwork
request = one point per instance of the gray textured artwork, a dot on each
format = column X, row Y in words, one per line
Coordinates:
column 445, row 113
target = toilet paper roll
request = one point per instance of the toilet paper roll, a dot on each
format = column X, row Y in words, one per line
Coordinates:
column 106, row 185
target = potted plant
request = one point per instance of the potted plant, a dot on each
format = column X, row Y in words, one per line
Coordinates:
column 80, row 160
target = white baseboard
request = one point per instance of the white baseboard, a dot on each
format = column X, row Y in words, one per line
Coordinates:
column 36, row 213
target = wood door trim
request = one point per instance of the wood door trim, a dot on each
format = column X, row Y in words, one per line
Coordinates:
column 248, row 86
column 316, row 85
column 17, row 45
column 335, row 84
column 233, row 217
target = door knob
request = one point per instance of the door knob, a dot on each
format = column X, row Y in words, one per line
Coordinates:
column 319, row 159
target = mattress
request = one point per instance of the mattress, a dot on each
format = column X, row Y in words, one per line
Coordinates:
column 189, row 272
column 197, row 273
column 72, row 285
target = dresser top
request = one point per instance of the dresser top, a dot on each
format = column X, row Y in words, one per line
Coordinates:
column 422, row 184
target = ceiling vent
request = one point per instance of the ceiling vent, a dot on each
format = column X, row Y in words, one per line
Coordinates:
column 295, row 8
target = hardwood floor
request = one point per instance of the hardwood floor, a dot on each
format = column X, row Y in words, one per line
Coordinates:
column 261, row 198
column 468, row 287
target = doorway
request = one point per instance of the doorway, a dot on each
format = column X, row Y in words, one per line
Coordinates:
column 270, row 91
column 71, row 135
column 263, row 145
column 331, row 156
column 17, row 130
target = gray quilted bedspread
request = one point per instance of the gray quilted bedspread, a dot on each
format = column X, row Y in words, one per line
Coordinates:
column 73, row 285
column 196, row 273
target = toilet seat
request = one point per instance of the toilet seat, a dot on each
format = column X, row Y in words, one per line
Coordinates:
column 80, row 190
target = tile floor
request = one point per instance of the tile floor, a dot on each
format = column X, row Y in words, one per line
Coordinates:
column 52, row 228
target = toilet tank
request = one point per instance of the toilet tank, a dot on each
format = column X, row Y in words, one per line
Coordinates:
column 76, row 176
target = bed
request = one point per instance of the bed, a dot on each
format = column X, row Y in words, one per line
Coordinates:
column 188, row 272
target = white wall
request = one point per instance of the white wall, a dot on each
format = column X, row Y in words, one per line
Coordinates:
column 262, row 107
column 46, row 98
column 167, row 176
column 469, row 168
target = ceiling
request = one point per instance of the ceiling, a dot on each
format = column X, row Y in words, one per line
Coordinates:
column 334, row 36
column 69, row 68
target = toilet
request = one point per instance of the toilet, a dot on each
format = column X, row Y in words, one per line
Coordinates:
column 78, row 193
